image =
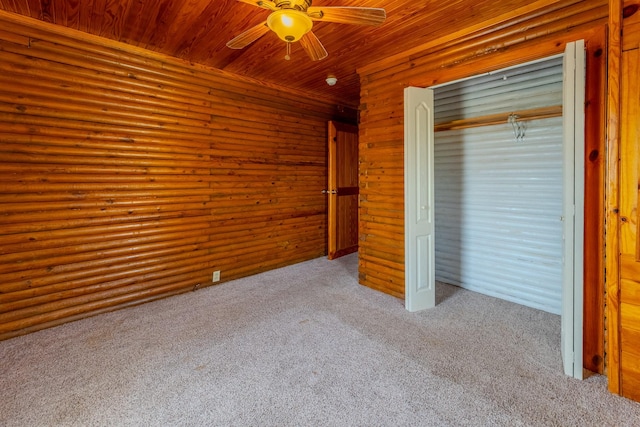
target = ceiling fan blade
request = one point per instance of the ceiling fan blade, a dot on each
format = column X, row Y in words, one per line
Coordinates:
column 313, row 47
column 248, row 37
column 265, row 4
column 348, row 15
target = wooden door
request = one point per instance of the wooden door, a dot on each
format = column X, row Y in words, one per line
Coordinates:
column 343, row 189
column 629, row 307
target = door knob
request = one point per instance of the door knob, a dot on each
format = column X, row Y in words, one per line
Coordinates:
column 324, row 191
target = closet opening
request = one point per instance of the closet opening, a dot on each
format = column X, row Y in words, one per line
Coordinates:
column 494, row 190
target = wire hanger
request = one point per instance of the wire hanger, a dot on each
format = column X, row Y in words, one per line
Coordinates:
column 519, row 127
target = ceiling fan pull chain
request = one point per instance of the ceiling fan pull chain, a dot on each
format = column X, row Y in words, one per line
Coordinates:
column 288, row 55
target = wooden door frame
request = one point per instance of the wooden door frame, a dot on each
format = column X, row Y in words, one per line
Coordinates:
column 612, row 217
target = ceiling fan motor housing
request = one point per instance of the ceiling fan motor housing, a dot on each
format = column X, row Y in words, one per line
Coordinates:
column 301, row 5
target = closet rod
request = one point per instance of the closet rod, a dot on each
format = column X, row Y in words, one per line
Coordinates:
column 495, row 119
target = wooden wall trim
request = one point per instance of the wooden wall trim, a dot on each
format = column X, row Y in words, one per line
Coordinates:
column 595, row 162
column 612, row 224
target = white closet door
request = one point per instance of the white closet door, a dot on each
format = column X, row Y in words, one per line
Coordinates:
column 573, row 286
column 419, row 200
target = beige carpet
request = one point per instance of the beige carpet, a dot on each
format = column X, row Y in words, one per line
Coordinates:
column 303, row 346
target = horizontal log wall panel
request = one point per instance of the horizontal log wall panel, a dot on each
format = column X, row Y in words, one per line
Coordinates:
column 128, row 176
column 140, row 62
column 506, row 40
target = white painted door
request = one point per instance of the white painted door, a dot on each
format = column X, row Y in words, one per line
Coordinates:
column 572, row 287
column 419, row 199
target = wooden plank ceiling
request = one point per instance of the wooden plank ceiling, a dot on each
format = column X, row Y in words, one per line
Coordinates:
column 197, row 30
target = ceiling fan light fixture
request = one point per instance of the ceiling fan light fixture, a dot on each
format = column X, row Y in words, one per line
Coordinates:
column 290, row 25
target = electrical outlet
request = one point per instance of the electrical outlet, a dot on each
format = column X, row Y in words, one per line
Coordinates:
column 216, row 276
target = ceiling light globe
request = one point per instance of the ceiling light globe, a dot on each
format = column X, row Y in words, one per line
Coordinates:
column 289, row 25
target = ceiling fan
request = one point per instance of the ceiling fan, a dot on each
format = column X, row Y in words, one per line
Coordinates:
column 292, row 20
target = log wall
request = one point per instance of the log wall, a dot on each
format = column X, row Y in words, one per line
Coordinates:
column 126, row 176
column 536, row 31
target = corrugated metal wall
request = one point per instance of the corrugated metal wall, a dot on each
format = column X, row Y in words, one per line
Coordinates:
column 498, row 200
